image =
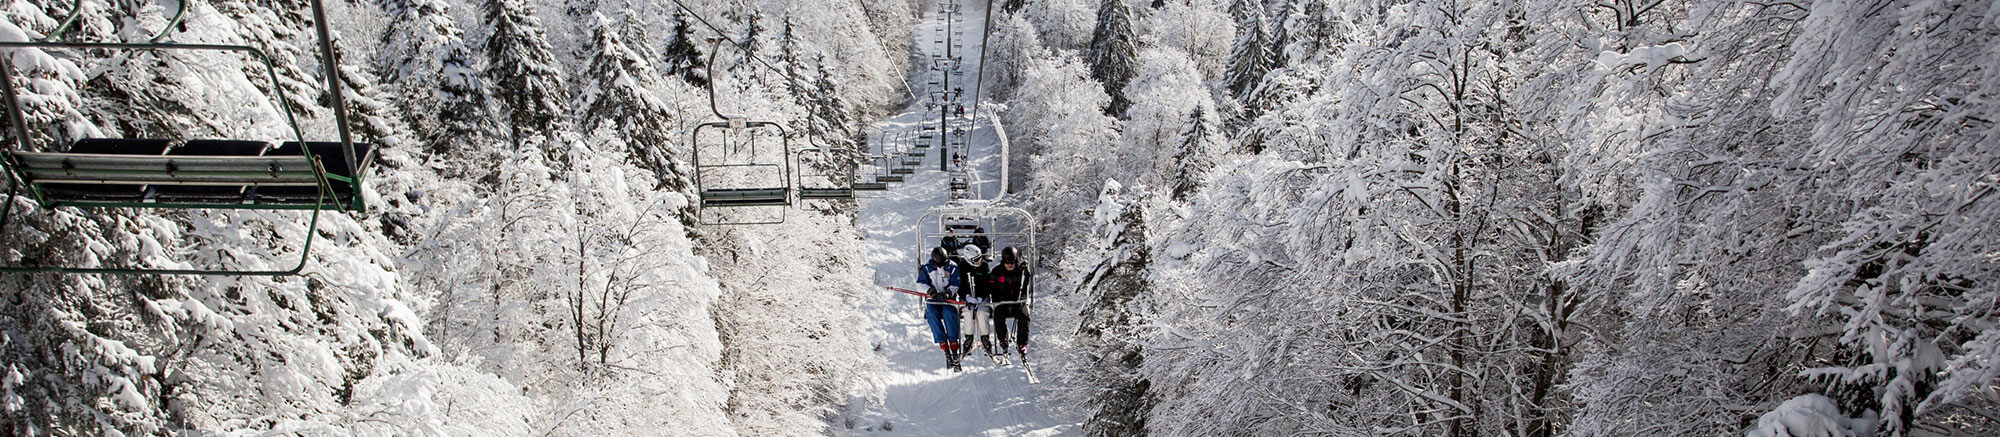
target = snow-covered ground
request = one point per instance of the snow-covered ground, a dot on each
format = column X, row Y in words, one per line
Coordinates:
column 923, row 397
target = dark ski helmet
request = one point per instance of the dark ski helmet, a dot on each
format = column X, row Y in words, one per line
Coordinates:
column 1010, row 255
column 938, row 255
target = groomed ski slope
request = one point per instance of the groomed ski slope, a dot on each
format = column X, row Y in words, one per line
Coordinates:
column 923, row 397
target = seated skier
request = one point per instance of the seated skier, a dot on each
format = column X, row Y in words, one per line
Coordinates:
column 941, row 279
column 979, row 331
column 1008, row 285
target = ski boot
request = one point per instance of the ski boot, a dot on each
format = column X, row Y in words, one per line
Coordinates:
column 953, row 355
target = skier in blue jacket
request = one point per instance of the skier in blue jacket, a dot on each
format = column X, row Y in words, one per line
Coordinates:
column 942, row 280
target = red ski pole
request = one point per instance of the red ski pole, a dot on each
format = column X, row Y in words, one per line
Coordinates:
column 919, row 293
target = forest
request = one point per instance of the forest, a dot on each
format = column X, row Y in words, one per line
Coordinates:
column 1256, row 217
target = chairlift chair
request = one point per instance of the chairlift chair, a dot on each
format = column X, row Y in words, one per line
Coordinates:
column 192, row 174
column 831, row 191
column 875, row 182
column 1005, row 227
column 738, row 144
column 882, row 175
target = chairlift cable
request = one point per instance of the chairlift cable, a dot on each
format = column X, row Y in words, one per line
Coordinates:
column 979, row 83
column 724, row 35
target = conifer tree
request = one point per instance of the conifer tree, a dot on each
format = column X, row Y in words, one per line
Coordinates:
column 788, row 59
column 425, row 57
column 527, row 81
column 1193, row 159
column 620, row 97
column 827, row 105
column 1113, row 58
column 747, row 47
column 683, row 58
column 463, row 114
column 1247, row 59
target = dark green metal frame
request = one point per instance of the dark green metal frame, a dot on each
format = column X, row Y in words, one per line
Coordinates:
column 16, row 180
column 700, row 170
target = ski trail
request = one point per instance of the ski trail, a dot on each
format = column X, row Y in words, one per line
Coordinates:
column 923, row 398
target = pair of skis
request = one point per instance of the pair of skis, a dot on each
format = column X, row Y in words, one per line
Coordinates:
column 1001, row 359
column 955, row 362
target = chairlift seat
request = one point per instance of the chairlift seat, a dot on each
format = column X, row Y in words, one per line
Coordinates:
column 745, row 197
column 889, row 178
column 107, row 192
column 209, row 193
column 204, row 174
column 874, row 186
column 902, row 170
column 826, row 193
column 334, row 160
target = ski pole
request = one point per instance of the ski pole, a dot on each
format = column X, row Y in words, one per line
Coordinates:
column 919, row 293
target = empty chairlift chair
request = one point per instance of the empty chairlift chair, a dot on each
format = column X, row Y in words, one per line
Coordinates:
column 739, row 163
column 877, row 181
column 194, row 174
column 811, row 173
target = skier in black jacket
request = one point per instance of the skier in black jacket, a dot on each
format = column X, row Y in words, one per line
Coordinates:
column 1010, row 284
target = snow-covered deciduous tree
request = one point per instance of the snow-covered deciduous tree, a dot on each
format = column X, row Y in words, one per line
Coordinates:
column 1201, row 29
column 1060, row 108
column 1064, row 24
column 1165, row 90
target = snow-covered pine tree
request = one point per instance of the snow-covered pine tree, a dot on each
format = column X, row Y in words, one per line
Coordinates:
column 465, row 114
column 1248, row 58
column 683, row 58
column 788, row 62
column 834, row 113
column 425, row 56
column 526, row 80
column 748, row 45
column 1312, row 32
column 1285, row 23
column 1114, row 57
column 620, row 97
column 1105, row 355
column 1191, row 164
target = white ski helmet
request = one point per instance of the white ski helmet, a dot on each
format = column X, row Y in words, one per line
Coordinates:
column 970, row 253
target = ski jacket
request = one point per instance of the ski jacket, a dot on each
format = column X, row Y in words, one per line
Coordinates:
column 1005, row 285
column 943, row 281
column 979, row 279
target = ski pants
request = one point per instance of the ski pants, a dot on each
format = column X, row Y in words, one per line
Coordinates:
column 943, row 318
column 1019, row 313
column 977, row 319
